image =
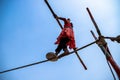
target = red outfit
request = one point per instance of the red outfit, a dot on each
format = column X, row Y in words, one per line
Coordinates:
column 67, row 32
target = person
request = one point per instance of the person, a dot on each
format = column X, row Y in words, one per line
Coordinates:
column 66, row 37
column 115, row 38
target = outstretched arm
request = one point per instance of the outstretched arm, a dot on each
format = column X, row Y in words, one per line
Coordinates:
column 64, row 19
column 61, row 18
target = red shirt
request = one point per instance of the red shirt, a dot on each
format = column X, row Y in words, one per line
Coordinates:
column 67, row 31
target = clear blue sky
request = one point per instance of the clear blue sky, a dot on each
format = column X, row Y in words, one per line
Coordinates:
column 28, row 31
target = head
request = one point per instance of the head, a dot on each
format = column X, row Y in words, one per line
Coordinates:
column 68, row 19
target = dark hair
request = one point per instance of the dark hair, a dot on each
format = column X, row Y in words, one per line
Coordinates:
column 68, row 18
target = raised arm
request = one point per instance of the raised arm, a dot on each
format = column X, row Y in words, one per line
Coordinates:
column 64, row 19
column 61, row 18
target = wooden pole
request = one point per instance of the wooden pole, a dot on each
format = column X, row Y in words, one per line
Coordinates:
column 53, row 14
column 105, row 48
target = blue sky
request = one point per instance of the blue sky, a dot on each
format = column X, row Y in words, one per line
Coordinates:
column 28, row 31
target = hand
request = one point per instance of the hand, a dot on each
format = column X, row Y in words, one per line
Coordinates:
column 56, row 42
column 55, row 16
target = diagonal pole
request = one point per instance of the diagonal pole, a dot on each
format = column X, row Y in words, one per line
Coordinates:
column 80, row 59
column 62, row 28
column 53, row 14
column 103, row 46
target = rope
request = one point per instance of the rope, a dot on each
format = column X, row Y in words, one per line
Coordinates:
column 23, row 66
column 13, row 69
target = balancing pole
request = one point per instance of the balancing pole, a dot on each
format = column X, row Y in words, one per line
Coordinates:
column 53, row 14
column 62, row 28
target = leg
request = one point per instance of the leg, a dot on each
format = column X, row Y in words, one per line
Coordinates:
column 65, row 41
column 64, row 47
column 58, row 49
